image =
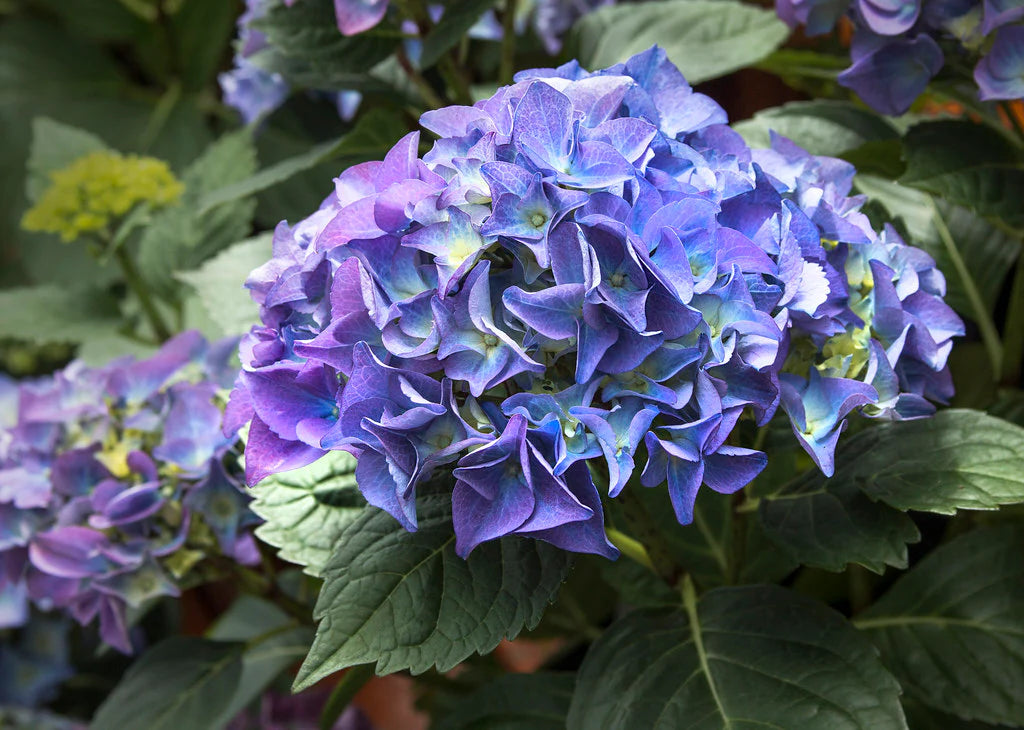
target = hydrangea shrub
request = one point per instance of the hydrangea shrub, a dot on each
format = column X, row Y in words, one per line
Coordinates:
column 581, row 288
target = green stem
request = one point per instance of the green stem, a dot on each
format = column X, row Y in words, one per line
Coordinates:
column 137, row 285
column 456, row 79
column 508, row 43
column 1013, row 335
column 161, row 113
column 989, row 333
column 632, row 549
column 422, row 85
column 351, row 682
column 738, row 545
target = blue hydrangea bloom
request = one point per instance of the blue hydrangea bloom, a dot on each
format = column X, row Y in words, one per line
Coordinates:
column 897, row 45
column 581, row 288
column 107, row 473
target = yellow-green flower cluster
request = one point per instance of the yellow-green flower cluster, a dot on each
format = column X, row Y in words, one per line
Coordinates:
column 88, row 194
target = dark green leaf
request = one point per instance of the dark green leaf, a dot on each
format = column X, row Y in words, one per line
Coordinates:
column 829, row 524
column 308, row 49
column 201, row 30
column 952, row 629
column 740, row 657
column 371, row 138
column 406, row 601
column 307, row 509
column 959, row 459
column 537, row 701
column 458, row 18
column 704, row 38
column 276, row 643
column 182, row 682
column 821, row 127
column 987, row 252
column 968, row 164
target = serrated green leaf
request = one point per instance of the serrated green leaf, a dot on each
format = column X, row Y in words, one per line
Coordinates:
column 704, row 38
column 538, row 701
column 457, row 19
column 220, row 284
column 959, row 459
column 306, row 510
column 182, row 682
column 821, row 127
column 55, row 145
column 968, row 164
column 181, row 237
column 831, row 524
column 405, row 600
column 739, row 657
column 56, row 314
column 952, row 628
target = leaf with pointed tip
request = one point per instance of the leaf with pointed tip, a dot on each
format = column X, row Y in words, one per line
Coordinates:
column 405, row 600
column 739, row 657
column 959, row 459
column 952, row 628
column 307, row 509
column 181, row 682
column 830, row 524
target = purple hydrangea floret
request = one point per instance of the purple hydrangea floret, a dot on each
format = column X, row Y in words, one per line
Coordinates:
column 108, row 474
column 898, row 45
column 582, row 287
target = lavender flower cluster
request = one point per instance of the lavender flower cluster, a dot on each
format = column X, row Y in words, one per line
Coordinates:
column 581, row 287
column 896, row 45
column 114, row 482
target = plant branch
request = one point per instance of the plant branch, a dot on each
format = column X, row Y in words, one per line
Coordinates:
column 138, row 286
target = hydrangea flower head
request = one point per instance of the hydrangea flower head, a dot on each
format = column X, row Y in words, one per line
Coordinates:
column 94, row 190
column 580, row 289
column 107, row 474
column 898, row 44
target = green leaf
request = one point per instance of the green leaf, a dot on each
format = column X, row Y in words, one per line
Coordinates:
column 182, row 682
column 458, row 18
column 821, row 127
column 987, row 252
column 309, row 50
column 829, row 524
column 405, row 600
column 959, row 459
column 538, row 701
column 201, row 31
column 181, row 237
column 276, row 643
column 306, row 510
column 220, row 281
column 371, row 138
column 55, row 145
column 56, row 314
column 704, row 38
column 968, row 164
column 740, row 657
column 952, row 628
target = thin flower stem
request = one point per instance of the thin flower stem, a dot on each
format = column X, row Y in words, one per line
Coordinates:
column 138, row 286
column 430, row 97
column 989, row 333
column 508, row 42
column 351, row 682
